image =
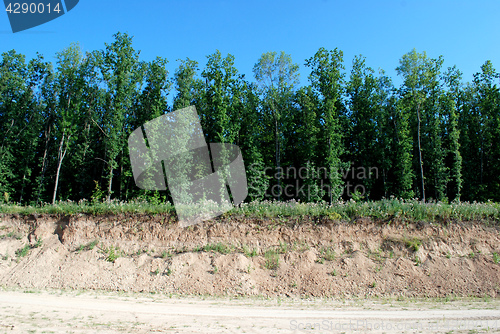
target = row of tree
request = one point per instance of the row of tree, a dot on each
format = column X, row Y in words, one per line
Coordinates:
column 65, row 127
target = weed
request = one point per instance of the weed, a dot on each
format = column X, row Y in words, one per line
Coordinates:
column 166, row 254
column 168, row 272
column 373, row 285
column 283, row 248
column 448, row 255
column 17, row 236
column 334, row 272
column 38, row 243
column 413, row 243
column 112, row 254
column 417, row 261
column 22, row 252
column 218, row 247
column 472, row 255
column 5, row 257
column 248, row 252
column 156, row 272
column 272, row 260
column 216, row 270
column 496, row 258
column 293, row 285
column 89, row 246
column 249, row 269
column 327, row 253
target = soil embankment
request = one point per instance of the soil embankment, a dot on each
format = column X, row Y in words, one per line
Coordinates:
column 292, row 257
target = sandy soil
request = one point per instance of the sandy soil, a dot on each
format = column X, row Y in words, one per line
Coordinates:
column 84, row 312
column 237, row 256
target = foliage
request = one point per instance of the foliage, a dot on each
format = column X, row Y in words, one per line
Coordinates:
column 343, row 135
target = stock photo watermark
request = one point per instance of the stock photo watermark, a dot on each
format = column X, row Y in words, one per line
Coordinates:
column 309, row 183
column 170, row 151
column 356, row 326
column 25, row 15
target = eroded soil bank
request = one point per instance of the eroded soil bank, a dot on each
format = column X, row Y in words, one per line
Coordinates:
column 293, row 257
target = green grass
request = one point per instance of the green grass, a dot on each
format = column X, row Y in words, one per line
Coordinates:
column 89, row 246
column 496, row 258
column 111, row 253
column 413, row 243
column 249, row 252
column 218, row 247
column 165, row 255
column 22, row 252
column 272, row 259
column 327, row 253
column 387, row 209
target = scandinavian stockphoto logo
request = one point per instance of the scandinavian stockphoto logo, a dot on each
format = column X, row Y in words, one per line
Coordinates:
column 173, row 147
column 28, row 14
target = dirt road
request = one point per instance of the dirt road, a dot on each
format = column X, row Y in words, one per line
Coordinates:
column 92, row 312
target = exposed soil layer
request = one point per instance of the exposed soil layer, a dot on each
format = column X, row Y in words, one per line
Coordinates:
column 248, row 256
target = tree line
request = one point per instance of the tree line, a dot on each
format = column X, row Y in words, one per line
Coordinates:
column 65, row 125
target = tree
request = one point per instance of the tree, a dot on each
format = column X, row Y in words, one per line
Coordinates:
column 185, row 83
column 120, row 73
column 69, row 86
column 451, row 104
column 327, row 80
column 364, row 101
column 221, row 113
column 418, row 96
column 277, row 77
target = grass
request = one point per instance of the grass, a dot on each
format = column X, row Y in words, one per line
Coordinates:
column 272, row 259
column 22, row 252
column 218, row 248
column 412, row 243
column 386, row 209
column 327, row 253
column 249, row 252
column 89, row 246
column 38, row 243
column 165, row 255
column 496, row 258
column 17, row 236
column 112, row 253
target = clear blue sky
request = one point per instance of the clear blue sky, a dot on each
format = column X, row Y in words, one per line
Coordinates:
column 466, row 33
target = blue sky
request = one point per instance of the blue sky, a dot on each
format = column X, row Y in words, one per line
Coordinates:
column 466, row 33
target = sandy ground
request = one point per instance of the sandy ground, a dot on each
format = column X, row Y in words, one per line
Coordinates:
column 251, row 257
column 34, row 311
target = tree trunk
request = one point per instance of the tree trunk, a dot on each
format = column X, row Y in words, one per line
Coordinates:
column 44, row 164
column 110, row 183
column 420, row 155
column 60, row 157
column 277, row 157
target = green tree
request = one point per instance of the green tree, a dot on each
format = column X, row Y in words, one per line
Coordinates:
column 327, row 79
column 69, row 85
column 277, row 78
column 419, row 95
column 185, row 83
column 122, row 78
column 451, row 104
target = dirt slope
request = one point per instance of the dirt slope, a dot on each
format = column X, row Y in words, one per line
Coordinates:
column 241, row 256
